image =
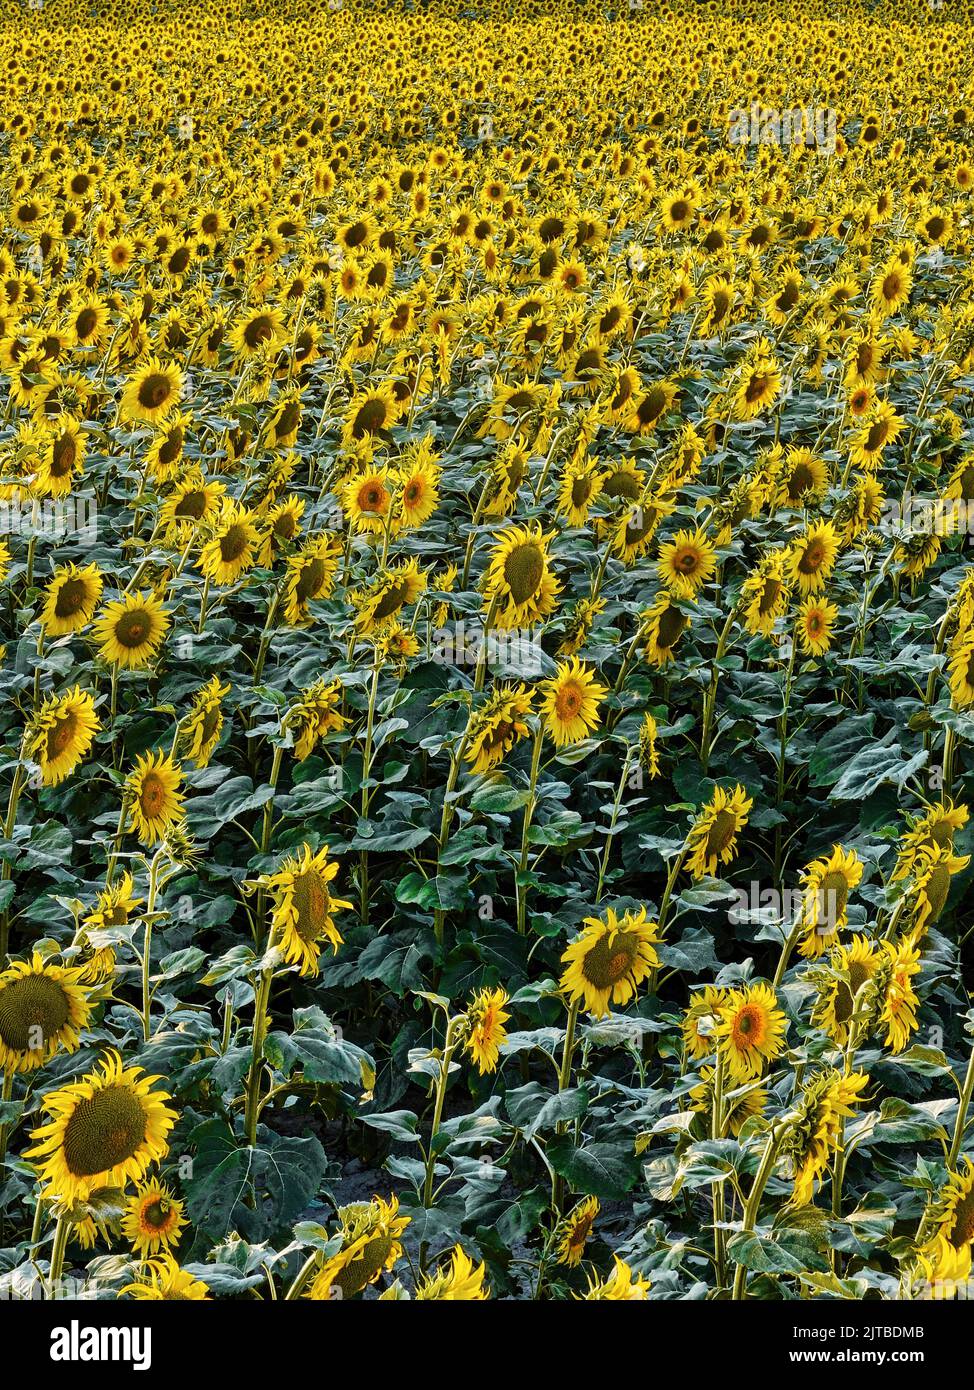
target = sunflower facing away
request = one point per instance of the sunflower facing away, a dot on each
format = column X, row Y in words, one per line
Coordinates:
column 104, row 1130
column 315, row 714
column 204, row 723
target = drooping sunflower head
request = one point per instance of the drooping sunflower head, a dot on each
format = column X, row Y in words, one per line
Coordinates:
column 372, row 1243
column 204, row 723
column 575, row 1230
column 104, row 1130
column 765, row 594
column 948, row 1251
column 899, row 1000
column 316, row 713
column 310, row 576
column 622, row 1286
column 609, row 959
column 162, row 1280
column 849, row 969
column 495, row 727
column 43, row 1008
column 929, row 887
column 824, row 1104
column 937, row 826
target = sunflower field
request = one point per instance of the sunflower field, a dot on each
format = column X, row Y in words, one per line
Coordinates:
column 487, row 650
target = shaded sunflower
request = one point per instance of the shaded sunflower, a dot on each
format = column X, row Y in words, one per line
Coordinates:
column 929, row 885
column 937, row 826
column 574, row 1231
column 700, row 1021
column 393, row 588
column 825, row 1103
column 494, row 728
column 648, row 749
column 663, row 626
column 310, row 576
column 204, row 723
column 608, row 961
column 899, row 1001
column 951, row 1217
column 765, row 594
column 315, row 713
column 739, row 1105
column 104, row 1130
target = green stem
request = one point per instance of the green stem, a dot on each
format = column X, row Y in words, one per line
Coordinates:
column 252, row 1112
column 754, row 1201
column 519, row 888
column 564, row 1081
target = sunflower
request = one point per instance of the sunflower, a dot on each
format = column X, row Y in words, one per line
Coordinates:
column 765, row 593
column 650, row 408
column 635, row 529
column 43, row 1008
column 519, row 585
column 622, row 1286
column 61, row 734
column 193, row 503
column 898, row 1013
column 578, row 625
column 316, row 713
column 372, row 1243
column 686, row 563
column 574, row 1231
column 161, row 1279
column 700, row 1021
column 232, row 547
column 256, row 332
column 154, row 796
column 570, row 703
column 152, row 394
column 825, row 1103
column 812, row 558
column 130, row 630
column 758, row 385
column 394, row 587
column 418, row 475
column 961, row 672
column 804, row 479
column 663, row 626
column 608, row 961
column 310, row 576
column 648, row 749
column 460, row 1281
column 70, row 599
column 740, row 1105
column 281, row 430
column 153, row 1219
column 826, row 886
column 303, row 916
column 750, row 1031
column 104, row 1130
column 951, row 1217
column 929, row 886
column 850, row 967
column 486, row 1033
column 201, row 732
column 371, row 414
column 937, row 826
column 882, row 426
column 494, row 728
column 713, row 837
column 367, row 500
column 891, row 288
column 281, row 525
column 579, row 489
column 816, row 619
column 62, row 454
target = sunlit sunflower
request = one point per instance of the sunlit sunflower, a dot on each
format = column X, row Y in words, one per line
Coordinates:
column 750, row 1031
column 152, row 393
column 648, row 746
column 154, row 797
column 608, row 960
column 635, row 528
column 825, row 1102
column 519, row 585
column 961, row 672
column 204, row 723
column 418, row 474
column 392, row 589
column 61, row 457
column 882, row 427
column 43, row 1009
column 61, row 734
column 687, row 562
column 162, row 1280
column 460, row 1281
column 131, row 630
column 486, row 1033
column 929, row 885
column 367, row 500
column 316, row 713
column 758, row 385
column 622, row 1286
column 713, row 836
column 815, row 624
column 574, row 1231
column 371, row 413
column 899, row 1002
column 951, row 1221
column 937, row 826
column 104, row 1131
column 811, row 558
column 570, row 703
column 153, row 1219
column 739, row 1105
column 303, row 917
column 826, row 886
column 256, row 332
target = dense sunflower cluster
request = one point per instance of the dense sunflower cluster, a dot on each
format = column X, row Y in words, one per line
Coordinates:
column 489, row 649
